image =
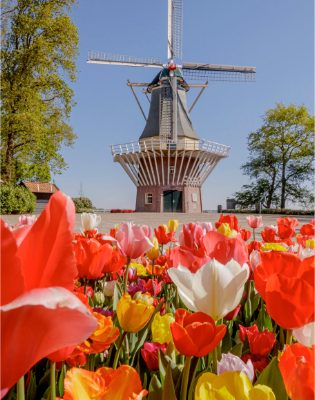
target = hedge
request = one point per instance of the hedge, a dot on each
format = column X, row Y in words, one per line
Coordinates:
column 280, row 211
column 15, row 199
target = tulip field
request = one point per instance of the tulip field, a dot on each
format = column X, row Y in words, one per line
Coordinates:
column 203, row 312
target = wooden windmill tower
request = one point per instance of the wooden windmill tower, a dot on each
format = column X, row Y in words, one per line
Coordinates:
column 169, row 163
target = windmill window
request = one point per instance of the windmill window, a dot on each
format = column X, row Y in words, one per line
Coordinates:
column 148, row 198
column 172, row 169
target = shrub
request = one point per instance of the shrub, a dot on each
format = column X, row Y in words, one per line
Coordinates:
column 16, row 199
column 83, row 204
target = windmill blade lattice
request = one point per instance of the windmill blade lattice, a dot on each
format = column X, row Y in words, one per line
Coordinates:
column 96, row 57
column 177, row 29
column 217, row 72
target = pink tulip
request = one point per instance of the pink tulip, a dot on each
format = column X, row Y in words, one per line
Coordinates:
column 150, row 354
column 38, row 314
column 134, row 240
column 254, row 222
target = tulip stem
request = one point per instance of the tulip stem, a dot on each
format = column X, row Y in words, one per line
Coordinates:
column 118, row 350
column 288, row 337
column 126, row 277
column 254, row 234
column 215, row 359
column 52, row 380
column 184, row 385
column 281, row 338
column 20, row 389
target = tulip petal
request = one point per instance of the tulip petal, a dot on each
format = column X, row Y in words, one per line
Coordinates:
column 233, row 292
column 305, row 334
column 46, row 253
column 182, row 341
column 183, row 279
column 12, row 284
column 38, row 323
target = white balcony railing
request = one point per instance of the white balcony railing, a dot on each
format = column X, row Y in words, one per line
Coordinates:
column 160, row 144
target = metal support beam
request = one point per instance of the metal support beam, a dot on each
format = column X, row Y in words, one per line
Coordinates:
column 198, row 97
column 137, row 100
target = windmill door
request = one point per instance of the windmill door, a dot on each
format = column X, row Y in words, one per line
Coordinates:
column 172, row 201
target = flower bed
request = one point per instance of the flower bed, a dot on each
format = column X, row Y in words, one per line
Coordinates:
column 209, row 312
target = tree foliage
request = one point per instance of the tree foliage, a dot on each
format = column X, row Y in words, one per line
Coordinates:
column 16, row 199
column 39, row 46
column 280, row 163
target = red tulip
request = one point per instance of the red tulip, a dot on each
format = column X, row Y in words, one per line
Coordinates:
column 94, row 259
column 260, row 343
column 286, row 227
column 163, row 236
column 245, row 331
column 150, row 354
column 223, row 249
column 245, row 234
column 33, row 311
column 253, row 245
column 228, row 219
column 269, row 235
column 195, row 334
column 286, row 284
column 297, row 369
column 61, row 354
column 308, row 229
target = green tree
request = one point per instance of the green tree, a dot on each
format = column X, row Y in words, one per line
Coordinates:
column 280, row 161
column 39, row 47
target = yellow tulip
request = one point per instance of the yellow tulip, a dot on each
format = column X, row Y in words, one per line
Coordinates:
column 133, row 314
column 154, row 252
column 141, row 269
column 226, row 230
column 230, row 385
column 310, row 243
column 161, row 332
column 172, row 225
column 274, row 247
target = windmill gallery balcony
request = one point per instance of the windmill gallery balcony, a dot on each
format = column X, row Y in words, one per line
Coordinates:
column 174, row 171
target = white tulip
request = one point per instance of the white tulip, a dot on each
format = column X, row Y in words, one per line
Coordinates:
column 214, row 289
column 90, row 221
column 305, row 334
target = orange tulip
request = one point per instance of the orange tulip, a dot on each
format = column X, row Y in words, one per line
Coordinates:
column 286, row 284
column 104, row 335
column 104, row 384
column 36, row 306
column 297, row 369
column 195, row 334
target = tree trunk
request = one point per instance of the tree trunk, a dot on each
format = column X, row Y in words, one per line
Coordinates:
column 271, row 190
column 283, row 187
column 7, row 173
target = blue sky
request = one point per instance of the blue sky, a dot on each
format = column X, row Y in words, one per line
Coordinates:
column 276, row 36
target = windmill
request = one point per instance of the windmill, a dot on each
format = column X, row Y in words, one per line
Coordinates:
column 169, row 163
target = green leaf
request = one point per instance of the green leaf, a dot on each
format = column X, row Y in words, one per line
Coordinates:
column 116, row 297
column 237, row 349
column 31, row 389
column 155, row 389
column 271, row 376
column 168, row 388
column 61, row 380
